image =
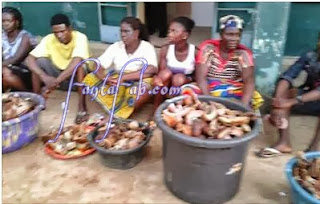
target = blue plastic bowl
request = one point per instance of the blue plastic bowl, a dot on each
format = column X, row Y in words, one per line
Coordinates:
column 299, row 195
column 23, row 130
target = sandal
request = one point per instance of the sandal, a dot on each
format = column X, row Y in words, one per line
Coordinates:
column 269, row 152
column 82, row 116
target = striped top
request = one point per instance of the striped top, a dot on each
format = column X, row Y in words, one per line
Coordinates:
column 220, row 68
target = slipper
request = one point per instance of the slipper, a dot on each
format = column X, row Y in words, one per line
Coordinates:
column 82, row 116
column 269, row 152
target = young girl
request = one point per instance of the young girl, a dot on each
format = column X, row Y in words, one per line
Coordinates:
column 177, row 60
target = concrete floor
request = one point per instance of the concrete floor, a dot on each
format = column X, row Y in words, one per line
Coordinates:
column 31, row 176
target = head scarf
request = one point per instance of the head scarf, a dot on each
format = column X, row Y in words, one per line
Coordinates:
column 231, row 21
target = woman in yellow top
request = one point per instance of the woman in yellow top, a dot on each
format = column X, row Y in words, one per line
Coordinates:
column 133, row 45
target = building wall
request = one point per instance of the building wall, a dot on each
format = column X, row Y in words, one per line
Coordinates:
column 301, row 36
column 303, row 29
column 37, row 16
column 84, row 16
column 141, row 11
column 110, row 15
column 175, row 9
column 269, row 43
column 203, row 13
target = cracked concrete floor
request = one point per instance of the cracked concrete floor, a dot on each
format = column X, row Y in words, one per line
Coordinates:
column 31, row 176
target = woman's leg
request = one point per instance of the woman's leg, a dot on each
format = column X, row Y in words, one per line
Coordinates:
column 5, row 85
column 179, row 80
column 142, row 100
column 36, row 83
column 165, row 77
column 10, row 80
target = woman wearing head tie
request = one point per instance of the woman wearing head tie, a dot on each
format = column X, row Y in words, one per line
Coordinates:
column 225, row 68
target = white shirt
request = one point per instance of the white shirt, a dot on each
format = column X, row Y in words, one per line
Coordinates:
column 115, row 57
column 184, row 67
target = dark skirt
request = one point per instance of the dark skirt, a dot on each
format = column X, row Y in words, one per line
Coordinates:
column 23, row 72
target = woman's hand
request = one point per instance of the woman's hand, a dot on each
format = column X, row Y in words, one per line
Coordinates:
column 100, row 74
column 114, row 80
column 157, row 81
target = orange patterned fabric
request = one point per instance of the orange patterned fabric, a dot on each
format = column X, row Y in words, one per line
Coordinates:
column 220, row 68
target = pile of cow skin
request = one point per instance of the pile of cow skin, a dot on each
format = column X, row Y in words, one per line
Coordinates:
column 14, row 106
column 207, row 120
column 307, row 174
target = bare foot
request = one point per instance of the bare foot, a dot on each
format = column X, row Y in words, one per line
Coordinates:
column 284, row 148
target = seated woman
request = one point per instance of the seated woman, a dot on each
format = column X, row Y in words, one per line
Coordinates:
column 177, row 60
column 16, row 44
column 225, row 68
column 133, row 45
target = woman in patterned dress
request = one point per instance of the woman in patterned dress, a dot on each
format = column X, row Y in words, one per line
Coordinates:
column 225, row 68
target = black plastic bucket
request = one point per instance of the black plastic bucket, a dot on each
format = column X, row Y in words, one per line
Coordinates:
column 120, row 159
column 197, row 170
